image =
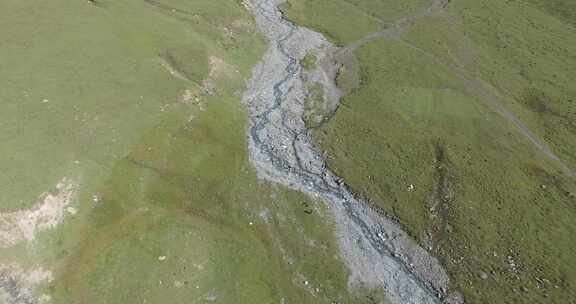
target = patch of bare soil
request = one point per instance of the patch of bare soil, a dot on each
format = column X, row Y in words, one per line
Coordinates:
column 219, row 69
column 441, row 203
column 17, row 284
column 231, row 32
column 47, row 213
column 442, row 200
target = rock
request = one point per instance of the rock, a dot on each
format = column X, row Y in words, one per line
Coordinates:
column 273, row 100
column 71, row 210
column 483, row 275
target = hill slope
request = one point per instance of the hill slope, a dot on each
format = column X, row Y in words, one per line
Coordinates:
column 462, row 128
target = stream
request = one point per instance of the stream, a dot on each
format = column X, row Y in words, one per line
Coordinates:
column 376, row 251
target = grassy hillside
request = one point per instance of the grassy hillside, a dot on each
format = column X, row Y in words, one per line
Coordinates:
column 137, row 102
column 417, row 140
column 188, row 220
column 347, row 21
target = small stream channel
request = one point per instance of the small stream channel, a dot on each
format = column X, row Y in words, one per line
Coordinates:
column 377, row 252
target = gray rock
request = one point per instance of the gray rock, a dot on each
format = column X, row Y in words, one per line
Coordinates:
column 278, row 140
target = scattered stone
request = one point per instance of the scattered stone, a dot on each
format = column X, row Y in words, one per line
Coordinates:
column 483, row 275
column 211, row 296
column 162, row 258
column 71, row 210
column 273, row 98
column 18, row 284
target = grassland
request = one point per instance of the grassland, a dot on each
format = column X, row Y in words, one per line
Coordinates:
column 190, row 221
column 347, row 21
column 138, row 101
column 418, row 143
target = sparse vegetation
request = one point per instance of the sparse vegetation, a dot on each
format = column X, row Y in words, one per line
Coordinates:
column 309, row 61
column 315, row 107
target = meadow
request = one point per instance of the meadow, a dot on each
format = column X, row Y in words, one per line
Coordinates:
column 138, row 102
column 418, row 143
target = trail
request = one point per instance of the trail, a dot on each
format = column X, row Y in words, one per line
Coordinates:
column 474, row 85
column 398, row 27
column 377, row 252
column 495, row 102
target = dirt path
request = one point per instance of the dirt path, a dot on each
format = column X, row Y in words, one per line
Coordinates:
column 398, row 27
column 474, row 85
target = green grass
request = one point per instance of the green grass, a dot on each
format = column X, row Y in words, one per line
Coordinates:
column 172, row 178
column 98, row 67
column 192, row 199
column 312, row 14
column 560, row 9
column 175, row 181
column 530, row 54
column 348, row 20
column 413, row 140
column 309, row 61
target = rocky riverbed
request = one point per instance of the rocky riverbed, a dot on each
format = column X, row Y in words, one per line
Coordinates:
column 377, row 252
